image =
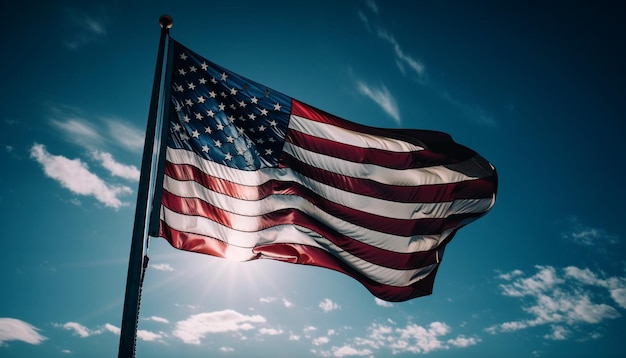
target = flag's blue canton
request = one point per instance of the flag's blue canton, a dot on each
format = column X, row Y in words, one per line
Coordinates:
column 225, row 117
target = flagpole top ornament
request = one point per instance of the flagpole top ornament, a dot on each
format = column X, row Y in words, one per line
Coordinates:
column 166, row 22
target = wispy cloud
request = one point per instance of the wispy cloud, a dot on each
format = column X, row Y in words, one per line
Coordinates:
column 85, row 28
column 162, row 267
column 402, row 58
column 382, row 97
column 328, row 305
column 129, row 172
column 196, row 327
column 75, row 176
column 588, row 236
column 12, row 329
column 157, row 319
column 79, row 128
column 84, row 332
column 371, row 4
column 75, row 327
column 563, row 299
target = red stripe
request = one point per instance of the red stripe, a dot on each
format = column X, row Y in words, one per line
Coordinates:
column 437, row 142
column 193, row 242
column 434, row 193
column 381, row 257
column 304, row 255
column 482, row 188
column 380, row 157
column 394, row 226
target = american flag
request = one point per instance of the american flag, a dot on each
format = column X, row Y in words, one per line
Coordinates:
column 251, row 173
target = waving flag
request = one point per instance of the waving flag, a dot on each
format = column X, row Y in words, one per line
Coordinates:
column 251, row 173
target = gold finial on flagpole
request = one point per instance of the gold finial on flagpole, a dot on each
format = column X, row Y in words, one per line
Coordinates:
column 166, row 21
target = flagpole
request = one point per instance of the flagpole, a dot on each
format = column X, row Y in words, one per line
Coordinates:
column 130, row 315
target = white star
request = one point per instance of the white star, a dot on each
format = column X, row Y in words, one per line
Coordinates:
column 277, row 107
column 240, row 130
column 177, row 88
column 191, row 86
column 205, row 148
column 268, row 151
column 201, row 99
column 260, row 141
column 219, row 126
column 262, row 128
column 182, row 72
column 230, row 139
column 264, row 112
column 195, row 134
column 176, row 127
column 222, row 107
column 224, row 76
column 213, row 80
column 178, row 107
column 252, row 116
column 183, row 57
column 210, row 113
column 204, row 65
column 233, row 91
column 192, row 69
column 242, row 104
column 186, row 118
column 218, row 143
column 202, row 81
column 212, row 94
column 231, row 118
column 198, row 116
column 184, row 136
column 228, row 156
column 223, row 94
column 240, row 151
column 254, row 100
column 272, row 140
column 232, row 106
column 189, row 102
column 273, row 123
column 207, row 130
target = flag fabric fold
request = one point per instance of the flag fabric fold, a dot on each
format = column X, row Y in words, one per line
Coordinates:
column 252, row 173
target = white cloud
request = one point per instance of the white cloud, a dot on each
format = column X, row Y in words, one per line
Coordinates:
column 157, row 319
column 382, row 303
column 78, row 329
column 563, row 299
column 129, row 172
column 226, row 349
column 267, row 299
column 113, row 329
column 194, row 328
column 12, row 329
column 320, row 341
column 328, row 305
column 287, row 303
column 271, row 331
column 413, row 338
column 75, row 176
column 345, row 351
column 148, row 336
column 382, row 97
column 162, row 267
column 293, row 337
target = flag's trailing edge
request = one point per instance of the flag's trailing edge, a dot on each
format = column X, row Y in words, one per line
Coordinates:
column 251, row 173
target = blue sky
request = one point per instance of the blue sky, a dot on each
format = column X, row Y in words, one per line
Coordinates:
column 537, row 88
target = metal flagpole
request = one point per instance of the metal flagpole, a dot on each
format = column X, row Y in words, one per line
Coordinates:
column 130, row 316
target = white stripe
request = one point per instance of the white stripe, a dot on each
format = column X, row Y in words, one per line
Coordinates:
column 375, row 206
column 243, row 212
column 402, row 177
column 342, row 135
column 242, row 243
column 409, row 177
